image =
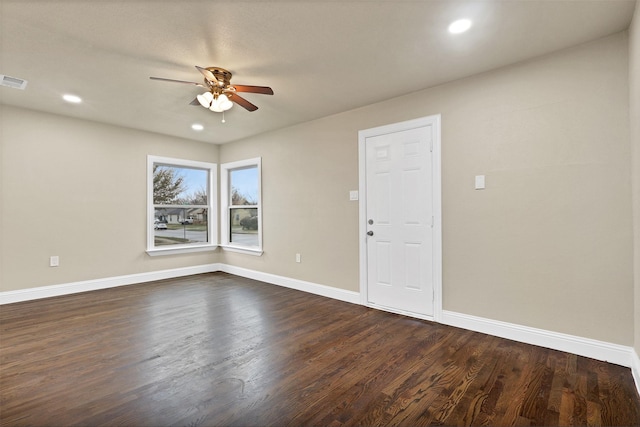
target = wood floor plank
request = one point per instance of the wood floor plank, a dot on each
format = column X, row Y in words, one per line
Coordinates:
column 219, row 350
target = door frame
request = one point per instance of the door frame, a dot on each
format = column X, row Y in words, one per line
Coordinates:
column 433, row 120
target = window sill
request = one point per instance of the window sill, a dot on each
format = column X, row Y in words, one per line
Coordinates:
column 243, row 250
column 180, row 250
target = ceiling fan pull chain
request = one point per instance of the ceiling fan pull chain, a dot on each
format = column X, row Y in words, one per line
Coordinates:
column 223, row 120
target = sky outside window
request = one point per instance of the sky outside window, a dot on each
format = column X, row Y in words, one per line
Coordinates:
column 245, row 181
column 194, row 180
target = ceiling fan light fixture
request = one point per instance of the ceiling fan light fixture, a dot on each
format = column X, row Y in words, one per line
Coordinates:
column 205, row 99
column 221, row 103
column 225, row 104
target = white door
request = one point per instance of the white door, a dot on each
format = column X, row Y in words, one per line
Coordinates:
column 400, row 217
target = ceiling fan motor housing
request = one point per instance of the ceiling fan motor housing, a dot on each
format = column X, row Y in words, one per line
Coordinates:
column 223, row 76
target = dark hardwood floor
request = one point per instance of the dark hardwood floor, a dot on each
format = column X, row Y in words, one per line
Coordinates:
column 218, row 350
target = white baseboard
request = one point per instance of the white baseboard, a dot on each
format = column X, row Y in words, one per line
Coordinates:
column 300, row 285
column 9, row 297
column 635, row 369
column 594, row 349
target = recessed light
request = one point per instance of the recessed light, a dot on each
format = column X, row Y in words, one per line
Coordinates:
column 72, row 98
column 459, row 26
column 197, row 126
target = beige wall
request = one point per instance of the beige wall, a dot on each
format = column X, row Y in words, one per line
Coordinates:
column 548, row 244
column 634, row 98
column 307, row 173
column 77, row 189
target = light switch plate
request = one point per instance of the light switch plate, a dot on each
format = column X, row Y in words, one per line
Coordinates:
column 479, row 182
column 353, row 195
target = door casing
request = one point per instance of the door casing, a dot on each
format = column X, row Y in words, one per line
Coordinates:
column 434, row 121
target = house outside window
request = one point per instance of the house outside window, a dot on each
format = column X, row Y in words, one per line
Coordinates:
column 241, row 206
column 181, row 216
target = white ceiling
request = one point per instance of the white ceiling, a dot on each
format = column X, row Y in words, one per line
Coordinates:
column 320, row 57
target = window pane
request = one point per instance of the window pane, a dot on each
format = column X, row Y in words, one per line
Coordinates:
column 244, row 186
column 173, row 185
column 244, row 226
column 179, row 226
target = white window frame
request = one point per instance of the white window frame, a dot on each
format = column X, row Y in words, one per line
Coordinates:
column 212, row 216
column 225, row 205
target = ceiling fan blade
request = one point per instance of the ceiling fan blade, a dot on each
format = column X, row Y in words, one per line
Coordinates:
column 207, row 74
column 242, row 102
column 177, row 81
column 264, row 90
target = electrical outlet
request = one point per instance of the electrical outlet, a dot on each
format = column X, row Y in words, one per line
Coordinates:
column 54, row 261
column 298, row 258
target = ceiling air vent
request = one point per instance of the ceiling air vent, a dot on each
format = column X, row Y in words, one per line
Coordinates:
column 12, row 82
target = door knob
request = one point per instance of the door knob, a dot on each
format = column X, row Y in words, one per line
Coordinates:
column 369, row 233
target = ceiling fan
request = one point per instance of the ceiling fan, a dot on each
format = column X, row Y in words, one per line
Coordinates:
column 221, row 94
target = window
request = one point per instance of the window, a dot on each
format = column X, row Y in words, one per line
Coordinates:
column 241, row 206
column 180, row 206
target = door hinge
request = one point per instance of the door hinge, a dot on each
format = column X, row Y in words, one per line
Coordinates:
column 432, row 221
column 431, row 145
